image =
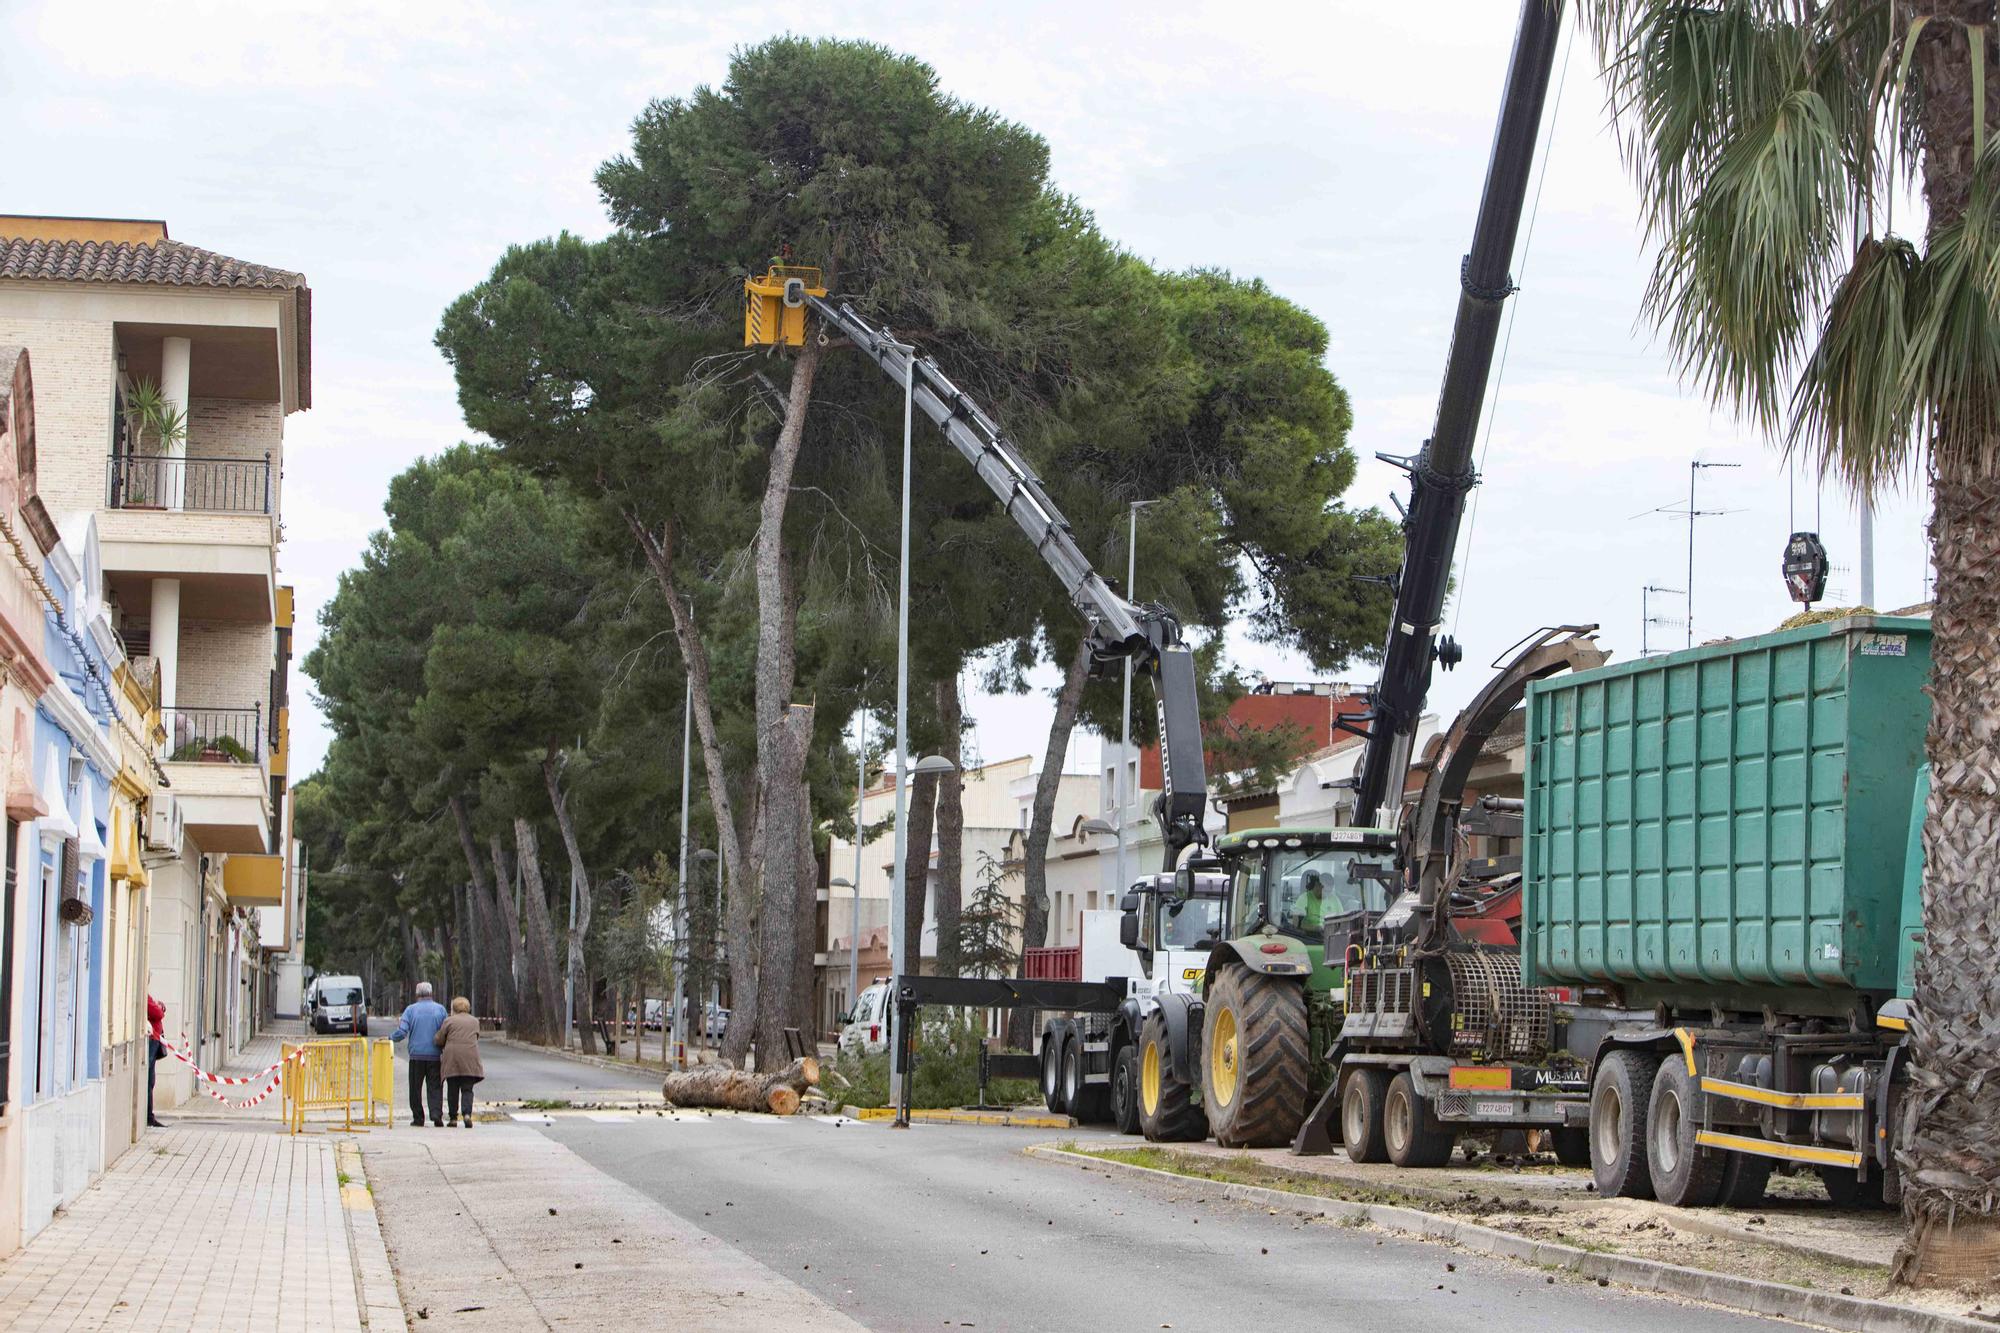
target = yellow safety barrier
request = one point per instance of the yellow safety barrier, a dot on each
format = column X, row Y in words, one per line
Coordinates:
column 382, row 1080
column 333, row 1076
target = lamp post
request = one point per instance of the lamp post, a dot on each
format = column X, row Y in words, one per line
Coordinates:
column 860, row 796
column 907, row 954
column 1125, row 710
column 681, row 883
column 899, row 945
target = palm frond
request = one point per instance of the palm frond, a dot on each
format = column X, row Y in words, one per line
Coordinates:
column 1850, row 413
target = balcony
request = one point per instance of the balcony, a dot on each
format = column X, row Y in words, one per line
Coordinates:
column 191, row 485
column 216, row 765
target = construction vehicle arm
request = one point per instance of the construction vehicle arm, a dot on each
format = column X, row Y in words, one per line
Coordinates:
column 1148, row 634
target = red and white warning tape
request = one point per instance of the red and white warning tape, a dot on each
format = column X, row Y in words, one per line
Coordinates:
column 267, row 1076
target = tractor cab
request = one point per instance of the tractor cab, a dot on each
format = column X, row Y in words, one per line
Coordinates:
column 1313, row 886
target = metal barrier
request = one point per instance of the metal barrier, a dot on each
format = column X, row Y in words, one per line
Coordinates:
column 339, row 1076
column 382, row 1080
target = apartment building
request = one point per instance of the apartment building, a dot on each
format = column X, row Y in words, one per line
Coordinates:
column 164, row 375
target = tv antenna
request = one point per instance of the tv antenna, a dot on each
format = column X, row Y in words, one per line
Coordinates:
column 1695, row 467
column 1646, row 617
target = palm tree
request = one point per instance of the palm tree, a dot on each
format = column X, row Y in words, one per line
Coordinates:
column 1768, row 139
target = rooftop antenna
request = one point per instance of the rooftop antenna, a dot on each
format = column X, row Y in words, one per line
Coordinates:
column 1646, row 617
column 1695, row 467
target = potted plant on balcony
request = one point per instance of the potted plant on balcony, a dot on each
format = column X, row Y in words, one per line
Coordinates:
column 143, row 474
column 211, row 750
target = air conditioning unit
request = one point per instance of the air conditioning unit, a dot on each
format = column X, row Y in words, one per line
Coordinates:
column 165, row 825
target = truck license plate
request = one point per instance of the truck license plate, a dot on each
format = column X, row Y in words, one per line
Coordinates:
column 1493, row 1108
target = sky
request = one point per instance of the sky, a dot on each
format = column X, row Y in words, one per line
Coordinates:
column 391, row 152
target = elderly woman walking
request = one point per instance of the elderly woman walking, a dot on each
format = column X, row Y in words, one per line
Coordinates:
column 458, row 1042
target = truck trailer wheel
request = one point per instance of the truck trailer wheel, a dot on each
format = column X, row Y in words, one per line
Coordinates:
column 1167, row 1111
column 1744, row 1177
column 1254, row 1058
column 1683, row 1172
column 1572, row 1145
column 1361, row 1100
column 1411, row 1131
column 1052, row 1088
column 1086, row 1101
column 1619, row 1092
column 1125, row 1089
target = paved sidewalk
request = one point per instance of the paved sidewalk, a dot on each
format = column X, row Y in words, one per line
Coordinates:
column 210, row 1226
column 501, row 1228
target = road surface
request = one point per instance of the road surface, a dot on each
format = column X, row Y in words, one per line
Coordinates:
column 517, row 1075
column 951, row 1226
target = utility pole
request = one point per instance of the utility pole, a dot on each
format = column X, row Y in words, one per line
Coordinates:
column 854, row 914
column 1694, row 470
column 1868, row 552
column 899, row 935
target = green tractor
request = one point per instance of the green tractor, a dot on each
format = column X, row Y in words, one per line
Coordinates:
column 1244, row 1060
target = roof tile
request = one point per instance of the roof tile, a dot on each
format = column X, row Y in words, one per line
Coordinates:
column 164, row 263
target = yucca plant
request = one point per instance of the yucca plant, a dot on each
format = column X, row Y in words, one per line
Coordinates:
column 150, row 413
column 1769, row 139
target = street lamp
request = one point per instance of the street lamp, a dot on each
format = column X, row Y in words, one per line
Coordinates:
column 853, row 922
column 905, row 954
column 1125, row 710
column 899, row 945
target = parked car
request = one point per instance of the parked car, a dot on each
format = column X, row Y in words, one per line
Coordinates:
column 866, row 1027
column 339, row 1005
column 715, row 1020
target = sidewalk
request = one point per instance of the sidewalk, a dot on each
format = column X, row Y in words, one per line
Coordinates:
column 502, row 1228
column 220, row 1221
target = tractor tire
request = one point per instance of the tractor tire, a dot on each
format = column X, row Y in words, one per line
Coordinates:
column 1743, row 1180
column 1088, row 1102
column 1361, row 1100
column 1052, row 1049
column 1411, row 1131
column 1619, row 1093
column 1572, row 1146
column 1846, row 1188
column 1125, row 1089
column 1255, row 1055
column 1683, row 1172
column 1167, row 1110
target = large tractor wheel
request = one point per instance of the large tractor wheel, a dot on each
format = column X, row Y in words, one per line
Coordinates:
column 1254, row 1056
column 1619, row 1093
column 1167, row 1112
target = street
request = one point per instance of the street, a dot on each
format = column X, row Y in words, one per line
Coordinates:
column 946, row 1225
column 516, row 1075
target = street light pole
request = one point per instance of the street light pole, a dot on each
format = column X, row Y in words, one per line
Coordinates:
column 679, row 1013
column 899, row 952
column 854, row 916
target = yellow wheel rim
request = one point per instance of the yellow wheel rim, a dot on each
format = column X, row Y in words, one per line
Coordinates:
column 1222, row 1057
column 1149, row 1078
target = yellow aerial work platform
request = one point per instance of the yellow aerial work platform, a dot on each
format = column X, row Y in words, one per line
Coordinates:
column 774, row 305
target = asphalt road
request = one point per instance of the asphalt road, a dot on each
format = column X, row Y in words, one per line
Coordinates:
column 951, row 1226
column 516, row 1075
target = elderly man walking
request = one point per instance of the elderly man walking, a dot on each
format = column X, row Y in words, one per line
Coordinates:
column 420, row 1024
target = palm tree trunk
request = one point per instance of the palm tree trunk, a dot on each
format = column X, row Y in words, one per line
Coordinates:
column 1950, row 1139
column 950, row 889
column 1041, row 823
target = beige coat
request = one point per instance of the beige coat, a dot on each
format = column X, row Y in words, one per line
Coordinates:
column 458, row 1039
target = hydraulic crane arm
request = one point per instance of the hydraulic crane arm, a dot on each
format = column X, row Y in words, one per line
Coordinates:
column 1441, row 474
column 1147, row 633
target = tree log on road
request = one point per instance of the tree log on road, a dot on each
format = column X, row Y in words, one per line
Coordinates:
column 725, row 1088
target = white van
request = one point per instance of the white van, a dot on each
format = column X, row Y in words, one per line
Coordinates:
column 338, row 1005
column 866, row 1031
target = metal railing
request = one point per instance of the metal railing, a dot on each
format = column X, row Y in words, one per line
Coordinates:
column 214, row 735
column 206, row 485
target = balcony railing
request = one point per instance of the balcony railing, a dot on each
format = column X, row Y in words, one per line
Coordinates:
column 214, row 735
column 207, row 485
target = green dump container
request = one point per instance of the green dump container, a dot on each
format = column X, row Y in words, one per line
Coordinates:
column 1727, row 826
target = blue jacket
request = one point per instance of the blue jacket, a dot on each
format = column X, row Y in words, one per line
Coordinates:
column 420, row 1024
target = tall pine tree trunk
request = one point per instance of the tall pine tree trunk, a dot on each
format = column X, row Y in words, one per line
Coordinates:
column 526, row 1002
column 950, row 891
column 781, row 747
column 1041, row 823
column 805, row 971
column 1950, row 1149
column 500, row 933
column 579, row 880
column 541, row 934
column 922, row 813
column 739, row 915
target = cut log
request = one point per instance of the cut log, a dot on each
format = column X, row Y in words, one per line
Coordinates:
column 724, row 1088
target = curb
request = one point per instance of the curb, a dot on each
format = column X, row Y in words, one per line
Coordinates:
column 374, row 1278
column 1751, row 1295
column 947, row 1117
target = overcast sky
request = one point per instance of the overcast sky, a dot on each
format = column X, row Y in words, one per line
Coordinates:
column 390, row 151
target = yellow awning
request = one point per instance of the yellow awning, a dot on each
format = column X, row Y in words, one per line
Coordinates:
column 125, row 862
column 254, row 879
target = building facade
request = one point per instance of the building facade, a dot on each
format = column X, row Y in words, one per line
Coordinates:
column 164, row 374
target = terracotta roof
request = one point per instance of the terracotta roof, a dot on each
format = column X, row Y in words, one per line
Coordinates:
column 164, row 262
